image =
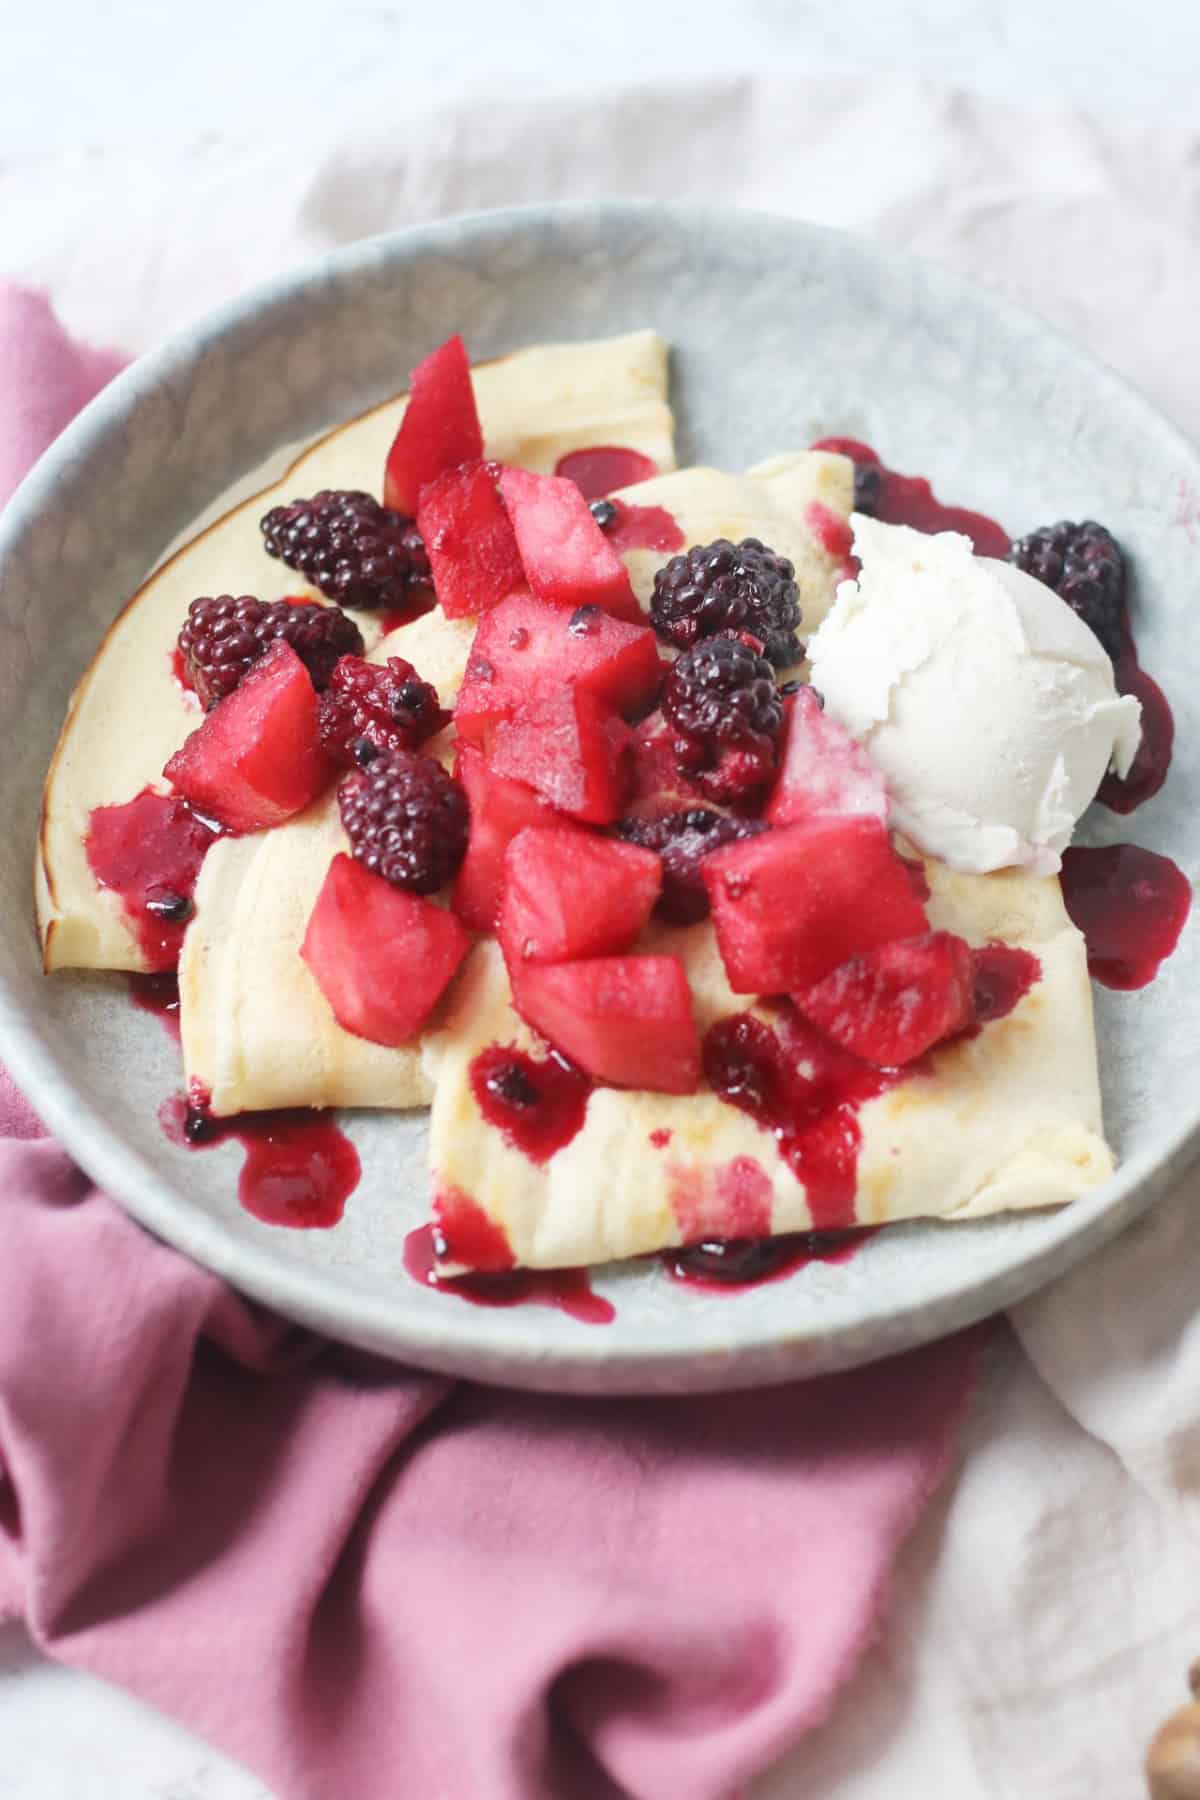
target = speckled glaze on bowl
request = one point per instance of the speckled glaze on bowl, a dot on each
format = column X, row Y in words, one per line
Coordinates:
column 782, row 333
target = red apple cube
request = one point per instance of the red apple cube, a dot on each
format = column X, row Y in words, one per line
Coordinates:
column 526, row 652
column 891, row 1004
column 568, row 560
column 570, row 750
column 499, row 810
column 792, row 905
column 473, row 553
column 823, row 772
column 256, row 759
column 381, row 957
column 626, row 1020
column 440, row 428
column 570, row 893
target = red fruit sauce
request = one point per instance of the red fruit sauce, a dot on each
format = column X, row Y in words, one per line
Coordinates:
column 157, row 994
column 909, row 500
column 643, row 528
column 599, row 469
column 420, row 601
column 732, row 1264
column 1153, row 757
column 833, row 533
column 568, row 1290
column 807, row 1091
column 537, row 1104
column 1130, row 904
column 300, row 1169
column 1003, row 977
column 184, row 680
column 149, row 852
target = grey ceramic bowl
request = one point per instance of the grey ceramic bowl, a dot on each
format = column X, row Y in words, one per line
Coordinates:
column 782, row 333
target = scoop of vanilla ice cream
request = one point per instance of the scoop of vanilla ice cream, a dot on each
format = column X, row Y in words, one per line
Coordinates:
column 989, row 706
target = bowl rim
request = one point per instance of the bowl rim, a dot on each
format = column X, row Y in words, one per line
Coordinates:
column 515, row 1350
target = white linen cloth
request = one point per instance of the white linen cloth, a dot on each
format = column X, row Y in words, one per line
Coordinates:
column 1048, row 1606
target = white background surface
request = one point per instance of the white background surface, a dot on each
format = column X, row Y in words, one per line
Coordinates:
column 115, row 95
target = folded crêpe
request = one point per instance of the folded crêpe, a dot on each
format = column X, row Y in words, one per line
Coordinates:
column 1007, row 1118
column 129, row 713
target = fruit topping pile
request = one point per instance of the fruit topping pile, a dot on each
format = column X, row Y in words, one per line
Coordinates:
column 608, row 769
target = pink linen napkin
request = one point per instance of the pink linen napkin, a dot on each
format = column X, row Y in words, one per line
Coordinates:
column 366, row 1581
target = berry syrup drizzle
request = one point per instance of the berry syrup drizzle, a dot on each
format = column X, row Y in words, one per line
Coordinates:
column 909, row 500
column 834, row 535
column 182, row 679
column 1130, row 904
column 158, row 995
column 600, row 468
column 730, row 1265
column 643, row 528
column 537, row 1104
column 420, row 600
column 804, row 1090
column 149, row 852
column 300, row 1169
column 1004, row 975
column 1153, row 757
column 567, row 1290
column 807, row 1091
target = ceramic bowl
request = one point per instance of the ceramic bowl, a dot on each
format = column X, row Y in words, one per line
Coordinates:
column 782, row 333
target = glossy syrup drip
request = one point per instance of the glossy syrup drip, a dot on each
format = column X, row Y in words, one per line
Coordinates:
column 1153, row 757
column 181, row 676
column 1004, row 975
column 300, row 1169
column 536, row 1103
column 601, row 468
column 807, row 1091
column 733, row 1264
column 159, row 995
column 643, row 528
column 420, row 601
column 834, row 535
column 148, row 851
column 1130, row 904
column 798, row 1085
column 567, row 1290
column 909, row 500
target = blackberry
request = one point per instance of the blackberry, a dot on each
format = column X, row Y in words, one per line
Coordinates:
column 386, row 706
column 683, row 840
column 1084, row 565
column 357, row 552
column 406, row 820
column 726, row 715
column 729, row 587
column 224, row 637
